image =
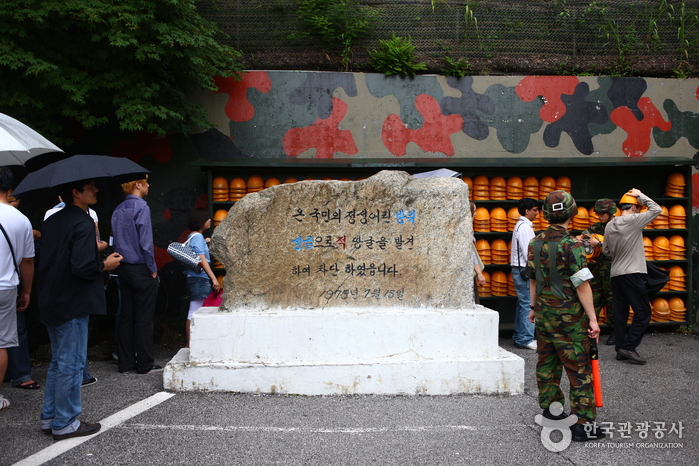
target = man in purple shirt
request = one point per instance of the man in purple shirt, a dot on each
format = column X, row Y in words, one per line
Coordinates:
column 138, row 279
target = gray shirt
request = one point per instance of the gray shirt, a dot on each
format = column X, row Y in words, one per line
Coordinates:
column 623, row 239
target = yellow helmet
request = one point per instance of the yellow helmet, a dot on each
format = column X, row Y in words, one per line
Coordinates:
column 629, row 199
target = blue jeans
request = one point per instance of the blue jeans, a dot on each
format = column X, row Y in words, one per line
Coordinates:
column 19, row 366
column 62, row 400
column 524, row 329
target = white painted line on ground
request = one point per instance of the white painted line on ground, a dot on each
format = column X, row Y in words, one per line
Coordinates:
column 58, row 448
column 326, row 430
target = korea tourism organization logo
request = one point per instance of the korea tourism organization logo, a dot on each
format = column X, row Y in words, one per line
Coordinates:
column 550, row 426
column 639, row 435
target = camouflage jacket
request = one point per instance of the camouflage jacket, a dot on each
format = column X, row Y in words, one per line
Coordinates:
column 552, row 312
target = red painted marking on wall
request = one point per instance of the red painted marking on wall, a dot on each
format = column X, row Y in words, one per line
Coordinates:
column 146, row 143
column 434, row 136
column 238, row 108
column 639, row 132
column 550, row 88
column 161, row 257
column 324, row 136
column 696, row 94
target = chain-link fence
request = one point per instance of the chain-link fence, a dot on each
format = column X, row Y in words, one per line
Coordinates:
column 565, row 30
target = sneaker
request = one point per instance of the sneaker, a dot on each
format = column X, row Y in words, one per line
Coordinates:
column 86, row 428
column 90, row 381
column 4, row 403
column 531, row 345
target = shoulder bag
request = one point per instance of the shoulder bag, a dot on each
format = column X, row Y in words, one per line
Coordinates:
column 183, row 253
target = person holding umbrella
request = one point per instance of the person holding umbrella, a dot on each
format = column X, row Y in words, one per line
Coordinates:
column 71, row 289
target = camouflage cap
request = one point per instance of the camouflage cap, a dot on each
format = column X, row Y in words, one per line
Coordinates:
column 605, row 206
column 559, row 206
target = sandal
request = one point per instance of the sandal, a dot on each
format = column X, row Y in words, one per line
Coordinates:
column 29, row 386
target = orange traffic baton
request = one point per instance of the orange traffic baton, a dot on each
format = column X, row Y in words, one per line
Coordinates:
column 596, row 379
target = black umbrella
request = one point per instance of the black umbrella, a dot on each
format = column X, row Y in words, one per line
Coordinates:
column 77, row 168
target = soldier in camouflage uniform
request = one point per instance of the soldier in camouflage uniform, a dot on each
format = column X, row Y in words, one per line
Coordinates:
column 564, row 315
column 601, row 267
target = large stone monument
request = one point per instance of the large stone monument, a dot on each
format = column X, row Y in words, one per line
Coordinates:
column 348, row 287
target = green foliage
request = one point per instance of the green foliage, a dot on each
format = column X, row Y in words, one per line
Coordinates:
column 687, row 23
column 458, row 68
column 396, row 56
column 336, row 24
column 133, row 62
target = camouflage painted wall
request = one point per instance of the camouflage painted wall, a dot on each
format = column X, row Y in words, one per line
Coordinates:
column 271, row 114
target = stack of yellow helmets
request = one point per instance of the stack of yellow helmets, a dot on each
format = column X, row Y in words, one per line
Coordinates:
column 678, row 311
column 661, row 248
column 540, row 223
column 648, row 248
column 481, row 188
column 219, row 188
column 498, row 285
column 512, row 218
column 481, row 220
column 661, row 221
column 678, row 217
column 563, row 183
column 498, row 188
column 255, row 183
column 514, row 188
column 660, row 310
column 530, row 187
column 237, row 189
column 511, row 291
column 469, row 183
column 592, row 215
column 272, row 182
column 290, row 180
column 678, row 251
column 677, row 280
column 674, row 187
column 219, row 215
column 484, row 290
column 483, row 248
column 498, row 219
column 546, row 185
column 581, row 221
column 498, row 251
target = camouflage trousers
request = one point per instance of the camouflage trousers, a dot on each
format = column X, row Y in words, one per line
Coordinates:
column 557, row 351
column 602, row 296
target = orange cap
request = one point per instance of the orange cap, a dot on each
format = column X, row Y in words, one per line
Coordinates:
column 219, row 182
column 238, row 183
column 220, row 215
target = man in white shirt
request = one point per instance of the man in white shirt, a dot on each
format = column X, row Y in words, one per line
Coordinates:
column 19, row 244
column 521, row 236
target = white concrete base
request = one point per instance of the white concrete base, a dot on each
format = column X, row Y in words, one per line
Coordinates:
column 346, row 351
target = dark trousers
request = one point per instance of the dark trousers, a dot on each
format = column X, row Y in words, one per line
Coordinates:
column 138, row 291
column 629, row 290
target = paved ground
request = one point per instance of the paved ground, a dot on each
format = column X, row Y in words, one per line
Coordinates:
column 230, row 428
